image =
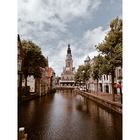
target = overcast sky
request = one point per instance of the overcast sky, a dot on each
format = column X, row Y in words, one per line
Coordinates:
column 52, row 24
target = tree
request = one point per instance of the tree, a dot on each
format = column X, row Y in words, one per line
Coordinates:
column 33, row 60
column 83, row 73
column 86, row 72
column 97, row 69
column 111, row 49
column 79, row 74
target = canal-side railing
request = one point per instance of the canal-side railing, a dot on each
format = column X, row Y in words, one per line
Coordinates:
column 114, row 106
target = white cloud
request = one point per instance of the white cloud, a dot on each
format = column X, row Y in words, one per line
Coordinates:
column 56, row 13
column 95, row 36
column 41, row 10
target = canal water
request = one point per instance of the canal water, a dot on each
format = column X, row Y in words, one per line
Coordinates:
column 68, row 116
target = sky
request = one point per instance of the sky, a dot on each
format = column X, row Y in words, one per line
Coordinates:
column 53, row 24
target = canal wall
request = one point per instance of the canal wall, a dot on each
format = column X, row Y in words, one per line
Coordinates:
column 114, row 106
column 35, row 96
column 27, row 98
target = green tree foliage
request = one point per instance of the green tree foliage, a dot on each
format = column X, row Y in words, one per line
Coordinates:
column 83, row 73
column 33, row 60
column 79, row 74
column 111, row 49
column 86, row 72
column 97, row 69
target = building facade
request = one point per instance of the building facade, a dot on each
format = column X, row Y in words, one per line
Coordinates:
column 51, row 79
column 105, row 82
column 41, row 84
column 31, row 83
column 20, row 61
column 67, row 76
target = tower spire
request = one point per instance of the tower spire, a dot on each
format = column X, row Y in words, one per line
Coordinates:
column 69, row 50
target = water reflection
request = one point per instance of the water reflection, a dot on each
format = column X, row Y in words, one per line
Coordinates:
column 68, row 116
column 108, row 124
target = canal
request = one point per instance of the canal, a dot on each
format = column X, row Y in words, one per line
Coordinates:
column 68, row 116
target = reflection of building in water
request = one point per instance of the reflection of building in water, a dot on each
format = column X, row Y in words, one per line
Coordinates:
column 99, row 114
column 96, row 112
column 67, row 76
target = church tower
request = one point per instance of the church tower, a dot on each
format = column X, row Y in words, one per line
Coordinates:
column 69, row 61
column 67, row 76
